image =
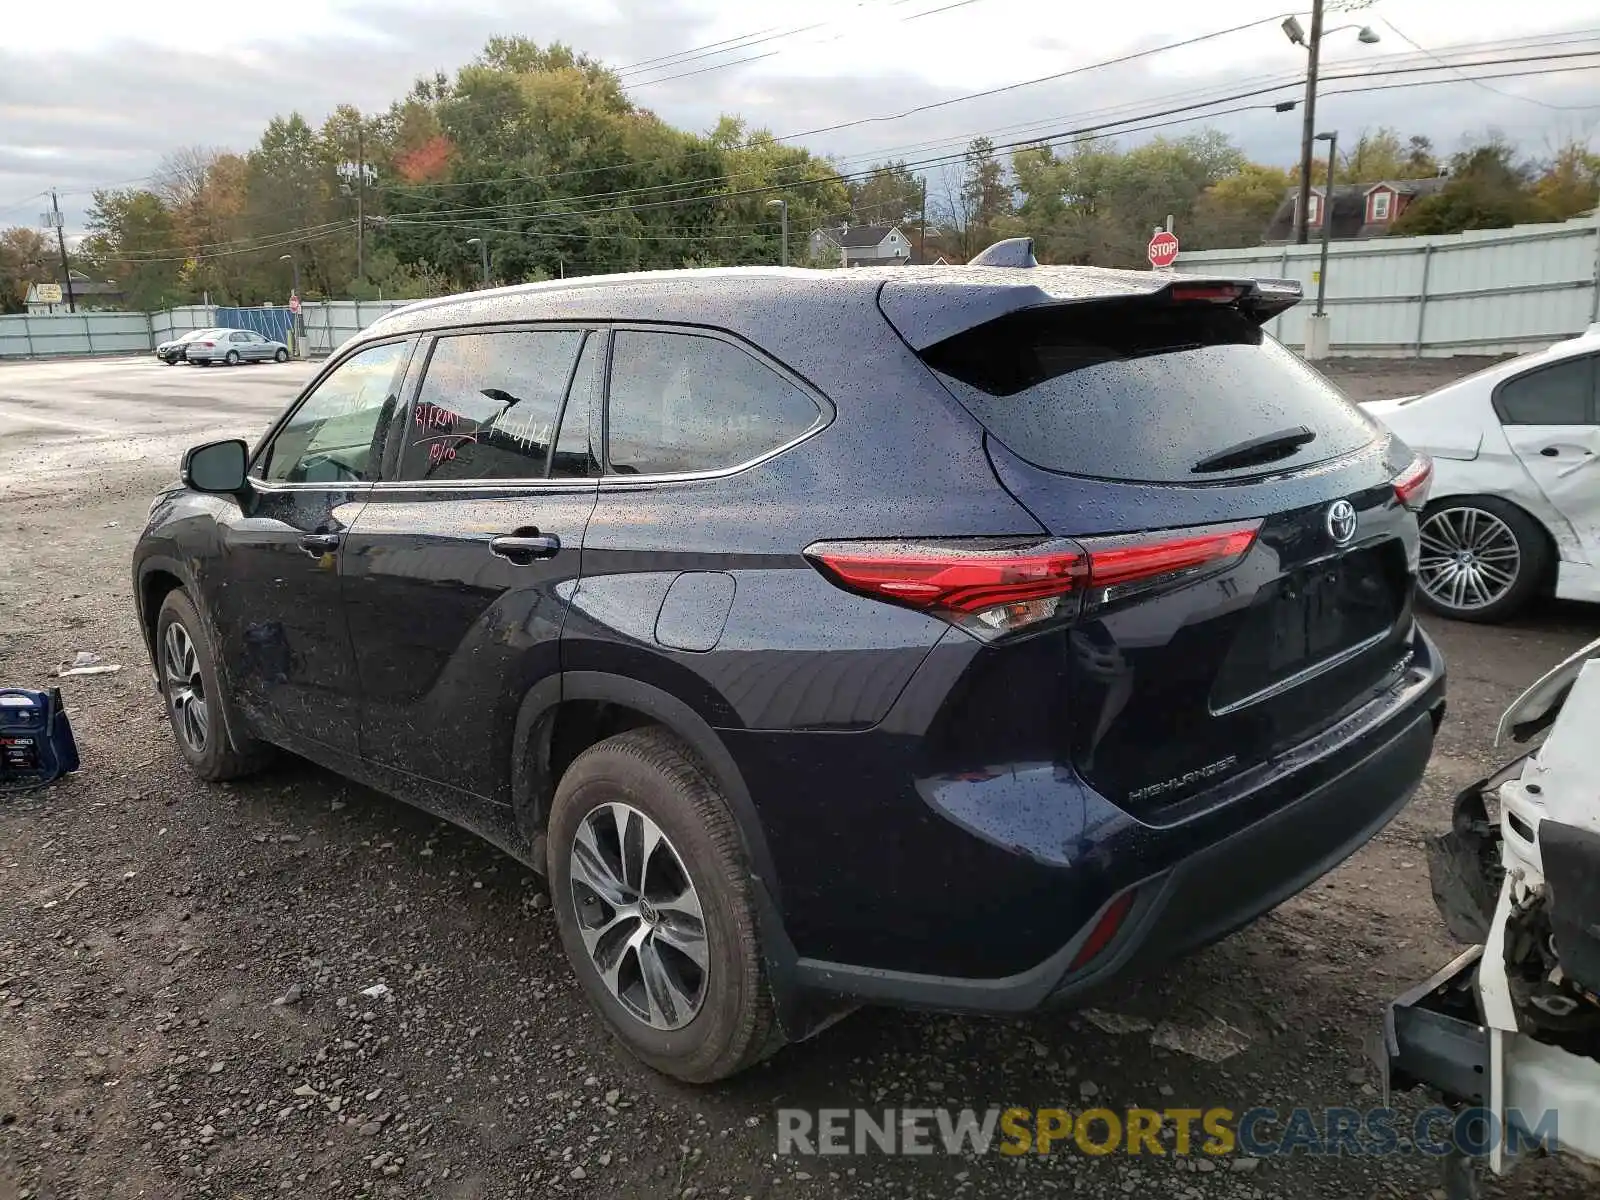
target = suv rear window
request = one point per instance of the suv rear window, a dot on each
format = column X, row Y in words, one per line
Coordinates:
column 1145, row 392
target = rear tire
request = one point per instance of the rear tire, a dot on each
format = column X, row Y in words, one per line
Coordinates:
column 187, row 670
column 232, row 358
column 640, row 789
column 1483, row 559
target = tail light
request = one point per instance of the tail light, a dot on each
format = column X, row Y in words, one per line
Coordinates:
column 1206, row 293
column 205, row 345
column 995, row 586
column 1412, row 485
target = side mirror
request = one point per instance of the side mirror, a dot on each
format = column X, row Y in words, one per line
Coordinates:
column 217, row 467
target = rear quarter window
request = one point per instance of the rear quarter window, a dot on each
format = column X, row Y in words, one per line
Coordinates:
column 1142, row 392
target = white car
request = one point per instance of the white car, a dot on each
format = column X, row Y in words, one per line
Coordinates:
column 1515, row 506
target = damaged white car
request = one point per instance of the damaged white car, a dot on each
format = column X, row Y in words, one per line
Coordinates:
column 1515, row 506
column 1511, row 1029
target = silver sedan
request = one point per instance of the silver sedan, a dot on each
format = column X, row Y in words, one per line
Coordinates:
column 235, row 346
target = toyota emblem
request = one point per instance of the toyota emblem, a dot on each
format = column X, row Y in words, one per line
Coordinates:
column 1341, row 522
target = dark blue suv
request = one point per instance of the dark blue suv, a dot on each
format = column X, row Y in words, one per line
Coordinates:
column 952, row 637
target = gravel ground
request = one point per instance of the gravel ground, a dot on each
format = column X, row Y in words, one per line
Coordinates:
column 296, row 986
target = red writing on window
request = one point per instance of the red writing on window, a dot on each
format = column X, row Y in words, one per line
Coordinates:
column 431, row 416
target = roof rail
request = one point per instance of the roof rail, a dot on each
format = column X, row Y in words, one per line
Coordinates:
column 1013, row 252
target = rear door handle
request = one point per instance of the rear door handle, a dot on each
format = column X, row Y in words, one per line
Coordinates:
column 1550, row 452
column 519, row 548
column 318, row 544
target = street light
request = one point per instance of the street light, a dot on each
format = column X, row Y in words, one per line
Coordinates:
column 783, row 214
column 483, row 254
column 1327, row 215
column 294, row 295
column 1312, row 43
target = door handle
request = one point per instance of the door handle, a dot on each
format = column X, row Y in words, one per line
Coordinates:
column 1550, row 452
column 524, row 548
column 318, row 544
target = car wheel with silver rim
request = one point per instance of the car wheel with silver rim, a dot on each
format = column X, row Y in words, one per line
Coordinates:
column 185, row 688
column 653, row 899
column 639, row 915
column 1481, row 558
column 214, row 747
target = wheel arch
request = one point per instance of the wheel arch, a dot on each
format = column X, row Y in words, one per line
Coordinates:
column 539, row 754
column 534, row 781
column 158, row 576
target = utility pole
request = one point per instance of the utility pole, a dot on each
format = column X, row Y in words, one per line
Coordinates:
column 1327, row 217
column 361, row 195
column 1309, row 129
column 922, row 233
column 783, row 214
column 61, row 244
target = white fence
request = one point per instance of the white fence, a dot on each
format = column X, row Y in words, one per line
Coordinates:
column 1488, row 291
column 327, row 326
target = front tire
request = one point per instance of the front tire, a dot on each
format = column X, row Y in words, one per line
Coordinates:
column 188, row 673
column 1482, row 560
column 281, row 356
column 652, row 898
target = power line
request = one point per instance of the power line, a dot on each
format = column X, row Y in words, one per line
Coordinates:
column 747, row 41
column 1496, row 91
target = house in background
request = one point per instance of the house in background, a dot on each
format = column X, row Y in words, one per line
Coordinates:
column 860, row 245
column 1360, row 210
column 88, row 295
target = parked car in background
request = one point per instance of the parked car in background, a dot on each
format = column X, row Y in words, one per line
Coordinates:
column 234, row 346
column 1515, row 507
column 174, row 351
column 1027, row 628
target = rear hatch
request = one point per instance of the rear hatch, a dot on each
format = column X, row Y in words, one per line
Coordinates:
column 1246, row 578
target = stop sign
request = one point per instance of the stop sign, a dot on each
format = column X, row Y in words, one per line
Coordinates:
column 1163, row 249
column 294, row 304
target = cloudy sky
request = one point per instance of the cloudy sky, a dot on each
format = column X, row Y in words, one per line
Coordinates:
column 93, row 92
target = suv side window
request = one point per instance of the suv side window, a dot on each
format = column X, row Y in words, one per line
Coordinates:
column 1560, row 394
column 488, row 405
column 682, row 403
column 329, row 438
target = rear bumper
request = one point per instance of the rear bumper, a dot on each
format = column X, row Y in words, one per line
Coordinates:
column 1059, row 857
column 1207, row 896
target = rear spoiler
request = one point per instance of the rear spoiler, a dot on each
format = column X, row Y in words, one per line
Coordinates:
column 927, row 308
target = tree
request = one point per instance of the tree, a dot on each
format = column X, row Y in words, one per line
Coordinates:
column 984, row 195
column 1097, row 204
column 1235, row 210
column 1381, row 155
column 25, row 258
column 1569, row 184
column 890, row 194
column 132, row 239
column 1488, row 189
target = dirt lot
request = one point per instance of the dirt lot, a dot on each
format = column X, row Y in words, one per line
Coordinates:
column 150, row 924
